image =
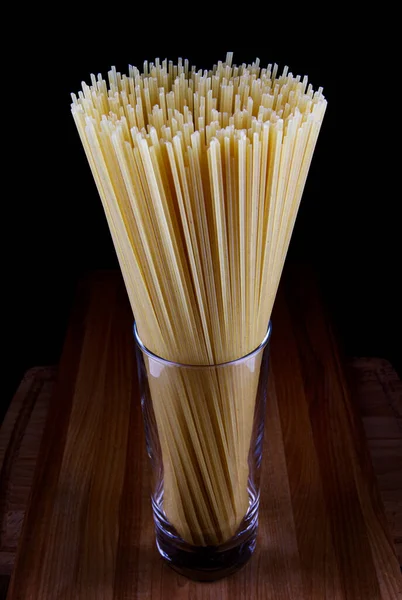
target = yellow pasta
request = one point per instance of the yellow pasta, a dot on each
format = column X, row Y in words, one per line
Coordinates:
column 201, row 174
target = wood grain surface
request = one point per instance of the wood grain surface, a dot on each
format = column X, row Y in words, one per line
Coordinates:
column 378, row 393
column 376, row 388
column 20, row 437
column 88, row 531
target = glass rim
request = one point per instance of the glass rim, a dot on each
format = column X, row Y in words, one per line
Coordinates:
column 172, row 363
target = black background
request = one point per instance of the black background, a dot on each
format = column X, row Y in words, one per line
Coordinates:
column 54, row 228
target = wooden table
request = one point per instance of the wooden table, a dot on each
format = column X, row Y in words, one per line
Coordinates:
column 88, row 532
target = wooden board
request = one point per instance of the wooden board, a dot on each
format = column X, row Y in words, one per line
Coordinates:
column 20, row 438
column 88, row 531
column 376, row 389
column 378, row 393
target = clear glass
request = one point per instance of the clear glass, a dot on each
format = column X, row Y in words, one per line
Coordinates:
column 204, row 428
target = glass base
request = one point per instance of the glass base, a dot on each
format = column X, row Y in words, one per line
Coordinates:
column 207, row 563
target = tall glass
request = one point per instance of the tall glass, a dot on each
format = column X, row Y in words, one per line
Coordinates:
column 204, row 428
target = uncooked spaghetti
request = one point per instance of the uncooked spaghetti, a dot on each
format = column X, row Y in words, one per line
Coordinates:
column 201, row 174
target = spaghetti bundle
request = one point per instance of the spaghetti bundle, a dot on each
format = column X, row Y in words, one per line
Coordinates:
column 201, row 174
